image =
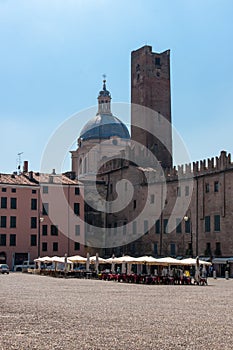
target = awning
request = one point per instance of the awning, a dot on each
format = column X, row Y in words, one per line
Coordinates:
column 222, row 260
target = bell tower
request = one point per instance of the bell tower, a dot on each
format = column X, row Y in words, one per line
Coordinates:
column 150, row 87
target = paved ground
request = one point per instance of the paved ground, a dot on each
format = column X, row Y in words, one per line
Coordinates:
column 40, row 312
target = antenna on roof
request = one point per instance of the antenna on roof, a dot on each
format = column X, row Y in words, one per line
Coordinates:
column 19, row 161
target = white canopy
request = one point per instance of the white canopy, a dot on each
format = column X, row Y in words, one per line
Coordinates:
column 100, row 260
column 123, row 259
column 169, row 261
column 147, row 260
column 77, row 259
column 45, row 259
column 58, row 259
column 191, row 261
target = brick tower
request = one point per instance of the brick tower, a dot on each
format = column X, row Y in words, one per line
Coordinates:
column 150, row 87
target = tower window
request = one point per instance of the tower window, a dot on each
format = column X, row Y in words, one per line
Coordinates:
column 13, row 240
column 4, row 202
column 216, row 186
column 45, row 189
column 173, row 249
column 207, row 223
column 33, row 222
column 13, row 221
column 55, row 246
column 44, row 246
column 157, row 226
column 187, row 226
column 54, row 230
column 76, row 209
column 137, row 67
column 157, row 61
column 218, row 249
column 45, row 209
column 33, row 204
column 44, row 230
column 13, row 203
column 165, row 226
column 76, row 246
column 2, row 239
column 3, row 221
column 33, row 240
column 217, row 223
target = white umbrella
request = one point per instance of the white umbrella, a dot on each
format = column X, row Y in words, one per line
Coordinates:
column 77, row 259
column 168, row 261
column 149, row 260
column 44, row 259
column 62, row 260
column 191, row 261
column 125, row 259
column 100, row 260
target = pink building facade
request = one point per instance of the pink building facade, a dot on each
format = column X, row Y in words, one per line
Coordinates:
column 34, row 223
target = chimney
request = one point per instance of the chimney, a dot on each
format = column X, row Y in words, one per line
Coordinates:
column 30, row 175
column 25, row 166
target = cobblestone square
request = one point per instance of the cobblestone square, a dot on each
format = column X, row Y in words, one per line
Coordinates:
column 39, row 312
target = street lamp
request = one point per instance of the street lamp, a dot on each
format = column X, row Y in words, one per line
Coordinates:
column 40, row 221
column 188, row 219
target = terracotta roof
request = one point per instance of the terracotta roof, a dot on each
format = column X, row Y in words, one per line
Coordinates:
column 54, row 179
column 12, row 179
column 35, row 178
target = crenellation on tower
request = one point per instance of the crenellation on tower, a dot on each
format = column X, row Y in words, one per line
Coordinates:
column 188, row 168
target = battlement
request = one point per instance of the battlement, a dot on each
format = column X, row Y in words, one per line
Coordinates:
column 185, row 171
column 201, row 167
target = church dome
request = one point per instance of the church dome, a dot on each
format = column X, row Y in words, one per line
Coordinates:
column 104, row 125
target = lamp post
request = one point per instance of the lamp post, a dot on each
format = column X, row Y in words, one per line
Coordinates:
column 39, row 229
column 188, row 219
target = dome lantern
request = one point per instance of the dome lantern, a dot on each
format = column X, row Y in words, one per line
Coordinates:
column 104, row 100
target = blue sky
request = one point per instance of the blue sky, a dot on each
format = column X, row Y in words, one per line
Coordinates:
column 53, row 55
